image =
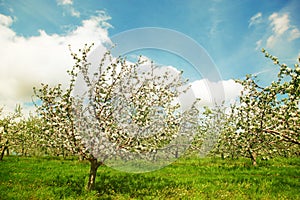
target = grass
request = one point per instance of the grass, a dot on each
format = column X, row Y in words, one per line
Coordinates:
column 187, row 178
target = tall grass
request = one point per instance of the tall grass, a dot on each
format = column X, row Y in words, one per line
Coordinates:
column 187, row 178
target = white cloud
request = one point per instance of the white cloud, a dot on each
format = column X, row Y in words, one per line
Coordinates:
column 28, row 61
column 5, row 20
column 208, row 91
column 74, row 13
column 279, row 23
column 64, row 2
column 255, row 19
column 271, row 41
column 294, row 34
column 258, row 44
column 68, row 6
column 282, row 30
column 232, row 89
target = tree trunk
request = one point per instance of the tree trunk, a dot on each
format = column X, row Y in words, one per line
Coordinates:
column 7, row 151
column 2, row 152
column 93, row 172
column 253, row 157
column 23, row 150
column 80, row 157
column 177, row 153
column 222, row 156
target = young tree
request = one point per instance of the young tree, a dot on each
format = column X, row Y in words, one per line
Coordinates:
column 269, row 116
column 8, row 129
column 3, row 136
column 210, row 128
column 286, row 94
column 124, row 110
column 221, row 121
column 26, row 141
column 253, row 115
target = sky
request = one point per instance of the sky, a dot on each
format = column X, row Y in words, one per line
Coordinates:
column 35, row 34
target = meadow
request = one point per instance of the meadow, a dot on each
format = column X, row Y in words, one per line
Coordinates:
column 187, row 178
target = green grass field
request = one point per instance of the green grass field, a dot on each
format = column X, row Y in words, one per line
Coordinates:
column 187, row 178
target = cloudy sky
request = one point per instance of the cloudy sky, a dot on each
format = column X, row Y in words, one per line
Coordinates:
column 34, row 36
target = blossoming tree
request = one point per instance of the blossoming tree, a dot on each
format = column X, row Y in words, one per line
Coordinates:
column 266, row 118
column 122, row 110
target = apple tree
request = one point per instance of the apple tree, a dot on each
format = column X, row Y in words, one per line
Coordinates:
column 268, row 117
column 123, row 110
column 8, row 130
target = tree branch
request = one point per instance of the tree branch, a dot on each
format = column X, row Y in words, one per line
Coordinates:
column 285, row 137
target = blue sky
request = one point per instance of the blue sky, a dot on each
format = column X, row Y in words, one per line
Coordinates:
column 231, row 31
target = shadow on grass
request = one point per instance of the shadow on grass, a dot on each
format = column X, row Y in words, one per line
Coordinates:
column 111, row 184
column 64, row 186
column 133, row 185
